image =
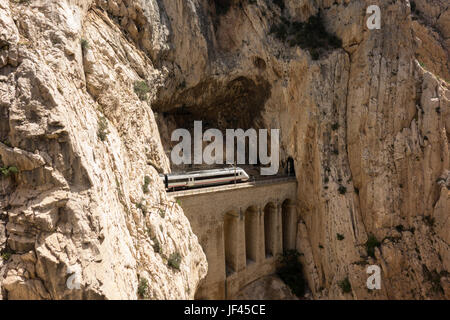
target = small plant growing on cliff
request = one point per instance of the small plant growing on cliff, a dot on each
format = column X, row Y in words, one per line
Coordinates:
column 340, row 237
column 371, row 244
column 7, row 143
column 142, row 288
column 310, row 35
column 162, row 213
column 142, row 207
column 156, row 245
column 342, row 190
column 291, row 272
column 102, row 131
column 434, row 278
column 174, row 261
column 147, row 181
column 7, row 171
column 345, row 285
column 141, row 89
column 222, row 6
column 5, row 256
column 84, row 44
column 429, row 221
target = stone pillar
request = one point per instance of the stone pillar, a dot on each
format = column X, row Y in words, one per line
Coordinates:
column 242, row 258
column 269, row 222
column 290, row 226
column 261, row 254
column 279, row 231
column 231, row 240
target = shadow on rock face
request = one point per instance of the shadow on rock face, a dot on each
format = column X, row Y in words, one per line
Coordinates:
column 234, row 104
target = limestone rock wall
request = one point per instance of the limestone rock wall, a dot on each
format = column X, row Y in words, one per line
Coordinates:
column 366, row 124
column 86, row 215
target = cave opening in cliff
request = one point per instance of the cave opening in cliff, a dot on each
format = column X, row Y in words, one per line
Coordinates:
column 222, row 105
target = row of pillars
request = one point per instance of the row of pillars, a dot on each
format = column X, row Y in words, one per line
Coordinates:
column 258, row 234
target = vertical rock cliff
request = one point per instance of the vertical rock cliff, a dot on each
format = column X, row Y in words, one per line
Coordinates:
column 85, row 215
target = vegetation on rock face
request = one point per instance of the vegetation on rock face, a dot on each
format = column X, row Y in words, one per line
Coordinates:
column 147, row 181
column 174, row 261
column 345, row 285
column 156, row 245
column 102, row 131
column 84, row 44
column 371, row 243
column 222, row 6
column 434, row 278
column 342, row 190
column 429, row 221
column 291, row 272
column 5, row 256
column 142, row 207
column 310, row 35
column 143, row 288
column 7, row 171
column 141, row 89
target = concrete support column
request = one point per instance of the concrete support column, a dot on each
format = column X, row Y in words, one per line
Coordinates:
column 261, row 254
column 279, row 231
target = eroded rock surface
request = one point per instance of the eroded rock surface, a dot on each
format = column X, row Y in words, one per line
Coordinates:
column 87, row 216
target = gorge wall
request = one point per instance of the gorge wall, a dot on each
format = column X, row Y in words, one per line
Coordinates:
column 91, row 90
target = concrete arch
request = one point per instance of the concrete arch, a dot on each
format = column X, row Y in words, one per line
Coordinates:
column 270, row 229
column 274, row 200
column 289, row 224
column 230, row 209
column 251, row 234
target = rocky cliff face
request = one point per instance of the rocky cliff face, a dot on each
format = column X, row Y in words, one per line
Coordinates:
column 86, row 215
column 366, row 120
